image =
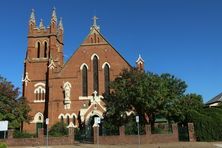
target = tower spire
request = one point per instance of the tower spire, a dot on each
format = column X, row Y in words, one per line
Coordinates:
column 60, row 24
column 41, row 25
column 54, row 17
column 32, row 17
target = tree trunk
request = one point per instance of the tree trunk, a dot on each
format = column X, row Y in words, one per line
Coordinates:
column 152, row 122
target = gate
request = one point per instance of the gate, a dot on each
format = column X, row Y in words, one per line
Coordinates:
column 183, row 132
column 85, row 134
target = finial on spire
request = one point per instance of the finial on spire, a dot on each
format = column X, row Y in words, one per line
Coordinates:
column 41, row 25
column 94, row 23
column 32, row 16
column 54, row 17
column 60, row 24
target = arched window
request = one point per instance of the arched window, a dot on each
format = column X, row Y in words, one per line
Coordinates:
column 45, row 50
column 95, row 74
column 94, row 37
column 84, row 81
column 39, row 92
column 98, row 39
column 62, row 119
column 67, row 120
column 74, row 120
column 106, row 78
column 91, row 40
column 38, row 50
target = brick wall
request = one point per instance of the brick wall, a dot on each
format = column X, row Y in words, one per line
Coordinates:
column 41, row 140
column 144, row 139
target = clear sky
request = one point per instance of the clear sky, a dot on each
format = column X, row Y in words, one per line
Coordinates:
column 180, row 37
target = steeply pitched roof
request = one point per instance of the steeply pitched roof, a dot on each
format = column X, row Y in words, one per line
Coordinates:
column 215, row 99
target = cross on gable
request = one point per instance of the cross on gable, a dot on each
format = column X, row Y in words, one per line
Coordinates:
column 95, row 93
column 94, row 20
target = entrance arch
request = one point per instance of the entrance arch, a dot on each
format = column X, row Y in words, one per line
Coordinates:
column 38, row 120
column 89, row 122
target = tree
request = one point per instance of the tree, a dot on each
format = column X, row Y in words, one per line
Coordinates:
column 188, row 104
column 145, row 94
column 11, row 108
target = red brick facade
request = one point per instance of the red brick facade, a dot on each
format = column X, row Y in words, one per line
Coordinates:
column 61, row 90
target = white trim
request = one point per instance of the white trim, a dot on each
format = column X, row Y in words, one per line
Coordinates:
column 36, row 43
column 60, row 116
column 103, row 66
column 67, row 84
column 36, row 118
column 43, row 42
column 67, row 115
column 40, row 83
column 38, row 88
column 85, row 97
column 73, row 114
column 95, row 112
column 84, row 64
column 214, row 104
column 94, row 55
column 39, row 101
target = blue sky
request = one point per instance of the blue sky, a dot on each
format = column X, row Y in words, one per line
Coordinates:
column 181, row 37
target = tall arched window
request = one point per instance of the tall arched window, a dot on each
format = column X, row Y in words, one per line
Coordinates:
column 45, row 49
column 94, row 38
column 95, row 74
column 84, row 81
column 74, row 120
column 67, row 120
column 106, row 78
column 38, row 50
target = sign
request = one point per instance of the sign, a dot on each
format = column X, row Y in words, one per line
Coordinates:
column 3, row 125
column 97, row 120
column 137, row 119
column 47, row 121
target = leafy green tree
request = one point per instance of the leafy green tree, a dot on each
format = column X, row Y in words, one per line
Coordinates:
column 188, row 104
column 145, row 94
column 11, row 108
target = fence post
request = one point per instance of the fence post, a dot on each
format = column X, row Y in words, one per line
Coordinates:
column 147, row 130
column 10, row 133
column 122, row 131
column 95, row 133
column 175, row 131
column 192, row 137
column 71, row 135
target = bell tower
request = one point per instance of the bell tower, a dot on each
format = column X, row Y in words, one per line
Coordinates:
column 44, row 53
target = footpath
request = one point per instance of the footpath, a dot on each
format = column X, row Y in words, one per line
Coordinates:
column 161, row 145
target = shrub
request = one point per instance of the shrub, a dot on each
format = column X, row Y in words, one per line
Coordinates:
column 208, row 124
column 3, row 145
column 19, row 134
column 58, row 129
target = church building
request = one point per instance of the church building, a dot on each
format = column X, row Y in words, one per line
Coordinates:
column 70, row 91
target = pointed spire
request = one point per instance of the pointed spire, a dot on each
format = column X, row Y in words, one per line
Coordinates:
column 54, row 17
column 41, row 25
column 60, row 24
column 32, row 17
column 95, row 24
column 140, row 59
